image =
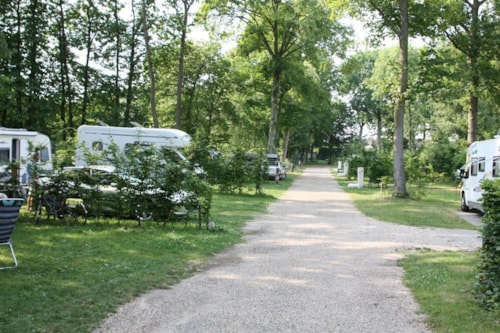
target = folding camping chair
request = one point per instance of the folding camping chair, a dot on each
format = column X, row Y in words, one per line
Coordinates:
column 9, row 211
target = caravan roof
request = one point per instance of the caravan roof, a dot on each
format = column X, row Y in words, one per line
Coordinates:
column 170, row 137
column 17, row 133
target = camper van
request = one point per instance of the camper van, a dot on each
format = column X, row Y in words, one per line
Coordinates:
column 275, row 164
column 483, row 162
column 95, row 139
column 15, row 148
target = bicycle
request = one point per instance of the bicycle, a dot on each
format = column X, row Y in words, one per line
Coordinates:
column 60, row 208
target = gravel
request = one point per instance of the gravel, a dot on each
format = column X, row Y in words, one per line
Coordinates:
column 311, row 263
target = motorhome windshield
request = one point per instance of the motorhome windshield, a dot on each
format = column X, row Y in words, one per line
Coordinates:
column 272, row 159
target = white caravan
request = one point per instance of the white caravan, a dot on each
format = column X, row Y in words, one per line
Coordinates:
column 95, row 139
column 483, row 162
column 15, row 148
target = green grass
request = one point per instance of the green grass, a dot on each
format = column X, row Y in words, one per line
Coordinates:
column 70, row 276
column 436, row 207
column 442, row 283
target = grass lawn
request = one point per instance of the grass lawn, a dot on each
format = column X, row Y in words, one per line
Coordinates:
column 70, row 276
column 441, row 282
column 436, row 207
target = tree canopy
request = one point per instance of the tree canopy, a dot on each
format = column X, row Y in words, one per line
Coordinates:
column 279, row 76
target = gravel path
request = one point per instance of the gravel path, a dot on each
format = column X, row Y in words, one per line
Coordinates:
column 312, row 263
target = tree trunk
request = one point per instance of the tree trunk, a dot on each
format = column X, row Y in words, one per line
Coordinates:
column 379, row 132
column 65, row 89
column 273, row 125
column 117, row 55
column 180, row 75
column 86, row 72
column 400, row 190
column 150, row 66
column 284, row 153
column 475, row 42
column 131, row 65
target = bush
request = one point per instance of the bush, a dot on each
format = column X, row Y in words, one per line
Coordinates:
column 488, row 278
column 443, row 157
column 147, row 183
column 376, row 166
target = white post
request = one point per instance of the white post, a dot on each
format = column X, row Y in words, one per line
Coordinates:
column 361, row 176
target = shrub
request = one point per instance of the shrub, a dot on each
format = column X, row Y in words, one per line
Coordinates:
column 443, row 157
column 375, row 164
column 488, row 278
column 147, row 183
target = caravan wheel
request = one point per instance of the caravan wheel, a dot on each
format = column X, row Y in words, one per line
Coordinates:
column 463, row 204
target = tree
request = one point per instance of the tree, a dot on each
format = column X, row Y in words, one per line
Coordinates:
column 87, row 20
column 64, row 58
column 283, row 31
column 152, row 81
column 182, row 50
column 132, row 61
column 369, row 110
column 469, row 25
column 391, row 16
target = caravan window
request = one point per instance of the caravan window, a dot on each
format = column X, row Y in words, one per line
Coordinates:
column 473, row 168
column 44, row 155
column 97, row 145
column 496, row 166
column 4, row 155
column 138, row 146
column 482, row 164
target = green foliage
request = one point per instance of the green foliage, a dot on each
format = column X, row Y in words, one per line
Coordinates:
column 236, row 174
column 148, row 183
column 417, row 174
column 488, row 278
column 444, row 157
column 376, row 165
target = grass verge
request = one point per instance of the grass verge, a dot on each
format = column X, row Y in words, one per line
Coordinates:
column 71, row 276
column 436, row 207
column 441, row 282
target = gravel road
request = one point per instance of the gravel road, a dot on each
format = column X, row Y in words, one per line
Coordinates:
column 311, row 263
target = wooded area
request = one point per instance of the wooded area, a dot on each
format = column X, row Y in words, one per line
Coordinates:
column 278, row 75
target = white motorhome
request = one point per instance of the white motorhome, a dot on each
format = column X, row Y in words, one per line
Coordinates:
column 483, row 162
column 15, row 148
column 95, row 139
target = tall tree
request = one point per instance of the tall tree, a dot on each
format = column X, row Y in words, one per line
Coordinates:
column 134, row 28
column 399, row 110
column 393, row 16
column 36, row 25
column 283, row 30
column 64, row 58
column 469, row 25
column 13, row 65
column 87, row 20
column 369, row 110
column 183, row 26
column 149, row 59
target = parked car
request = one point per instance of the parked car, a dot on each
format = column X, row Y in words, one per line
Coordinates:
column 274, row 164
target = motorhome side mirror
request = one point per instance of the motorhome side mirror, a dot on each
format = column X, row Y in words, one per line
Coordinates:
column 461, row 173
column 464, row 173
